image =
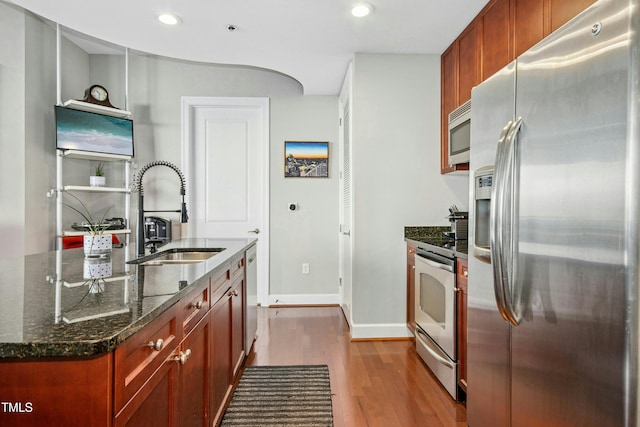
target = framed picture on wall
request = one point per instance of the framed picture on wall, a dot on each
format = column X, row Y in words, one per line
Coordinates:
column 306, row 159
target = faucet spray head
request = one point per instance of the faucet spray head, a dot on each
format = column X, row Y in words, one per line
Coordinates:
column 184, row 217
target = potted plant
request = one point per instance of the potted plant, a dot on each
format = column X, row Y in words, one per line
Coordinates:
column 98, row 179
column 97, row 243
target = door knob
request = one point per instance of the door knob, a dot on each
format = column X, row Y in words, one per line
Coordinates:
column 256, row 231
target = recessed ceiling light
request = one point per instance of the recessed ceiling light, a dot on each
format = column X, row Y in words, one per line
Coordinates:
column 169, row 19
column 361, row 10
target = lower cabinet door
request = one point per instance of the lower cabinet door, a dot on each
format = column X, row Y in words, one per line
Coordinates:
column 193, row 381
column 237, row 326
column 220, row 355
column 154, row 403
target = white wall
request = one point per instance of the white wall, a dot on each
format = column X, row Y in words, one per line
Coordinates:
column 12, row 128
column 396, row 180
column 156, row 87
column 310, row 234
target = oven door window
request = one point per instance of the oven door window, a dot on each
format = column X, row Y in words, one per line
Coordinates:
column 433, row 299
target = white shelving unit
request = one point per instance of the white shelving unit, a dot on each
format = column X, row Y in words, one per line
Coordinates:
column 102, row 157
column 95, row 108
column 83, row 155
column 61, row 189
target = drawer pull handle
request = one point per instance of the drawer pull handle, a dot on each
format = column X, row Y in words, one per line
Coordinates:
column 157, row 345
column 197, row 305
column 233, row 293
column 183, row 357
column 466, row 273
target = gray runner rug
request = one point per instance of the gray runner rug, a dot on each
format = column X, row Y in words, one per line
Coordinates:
column 281, row 396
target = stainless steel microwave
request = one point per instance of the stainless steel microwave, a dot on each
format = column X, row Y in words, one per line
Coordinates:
column 460, row 134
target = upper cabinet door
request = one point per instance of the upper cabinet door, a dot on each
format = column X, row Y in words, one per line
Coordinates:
column 448, row 100
column 469, row 62
column 497, row 46
column 562, row 11
column 529, row 24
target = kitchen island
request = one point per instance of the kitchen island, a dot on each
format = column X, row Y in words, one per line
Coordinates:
column 104, row 342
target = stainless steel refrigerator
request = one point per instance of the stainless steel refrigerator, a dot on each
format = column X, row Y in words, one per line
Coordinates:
column 554, row 232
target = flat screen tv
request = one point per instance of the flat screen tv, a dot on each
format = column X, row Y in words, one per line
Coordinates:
column 92, row 132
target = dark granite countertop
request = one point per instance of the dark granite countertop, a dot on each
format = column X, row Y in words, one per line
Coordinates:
column 46, row 313
column 422, row 236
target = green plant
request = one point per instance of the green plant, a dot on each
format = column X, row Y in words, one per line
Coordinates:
column 95, row 227
column 99, row 170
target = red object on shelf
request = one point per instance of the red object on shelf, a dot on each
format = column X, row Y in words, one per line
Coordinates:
column 72, row 242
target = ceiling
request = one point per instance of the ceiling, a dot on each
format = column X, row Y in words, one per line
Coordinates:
column 312, row 41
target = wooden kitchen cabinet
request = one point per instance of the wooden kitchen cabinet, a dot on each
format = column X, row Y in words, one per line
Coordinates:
column 58, row 391
column 448, row 102
column 162, row 379
column 220, row 375
column 154, row 404
column 503, row 30
column 461, row 315
column 228, row 352
column 528, row 24
column 411, row 287
column 496, row 41
column 237, row 326
column 469, row 73
column 561, row 11
column 194, row 381
column 142, row 354
column 177, row 393
column 173, row 368
column 193, row 361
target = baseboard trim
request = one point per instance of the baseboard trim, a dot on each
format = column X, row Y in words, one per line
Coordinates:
column 304, row 300
column 380, row 331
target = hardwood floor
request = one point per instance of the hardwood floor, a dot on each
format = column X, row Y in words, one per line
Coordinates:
column 374, row 383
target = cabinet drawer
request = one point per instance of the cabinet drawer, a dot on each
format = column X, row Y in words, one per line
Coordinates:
column 236, row 268
column 142, row 354
column 219, row 286
column 194, row 306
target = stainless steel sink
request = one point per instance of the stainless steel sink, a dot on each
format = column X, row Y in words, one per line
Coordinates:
column 178, row 256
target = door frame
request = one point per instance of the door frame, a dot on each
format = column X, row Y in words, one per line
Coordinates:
column 189, row 104
column 345, row 252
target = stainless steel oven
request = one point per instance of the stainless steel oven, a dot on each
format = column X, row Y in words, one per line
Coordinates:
column 435, row 313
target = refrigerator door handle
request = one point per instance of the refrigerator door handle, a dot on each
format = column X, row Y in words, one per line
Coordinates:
column 511, row 287
column 495, row 232
column 503, row 209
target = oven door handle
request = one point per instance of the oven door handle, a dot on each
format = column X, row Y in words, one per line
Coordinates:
column 434, row 264
column 435, row 352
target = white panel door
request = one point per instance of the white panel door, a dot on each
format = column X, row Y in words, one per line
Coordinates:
column 225, row 147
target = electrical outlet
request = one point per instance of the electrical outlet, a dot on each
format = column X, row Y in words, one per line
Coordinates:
column 305, row 268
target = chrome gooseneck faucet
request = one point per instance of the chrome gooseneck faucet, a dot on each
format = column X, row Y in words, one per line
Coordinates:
column 140, row 244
